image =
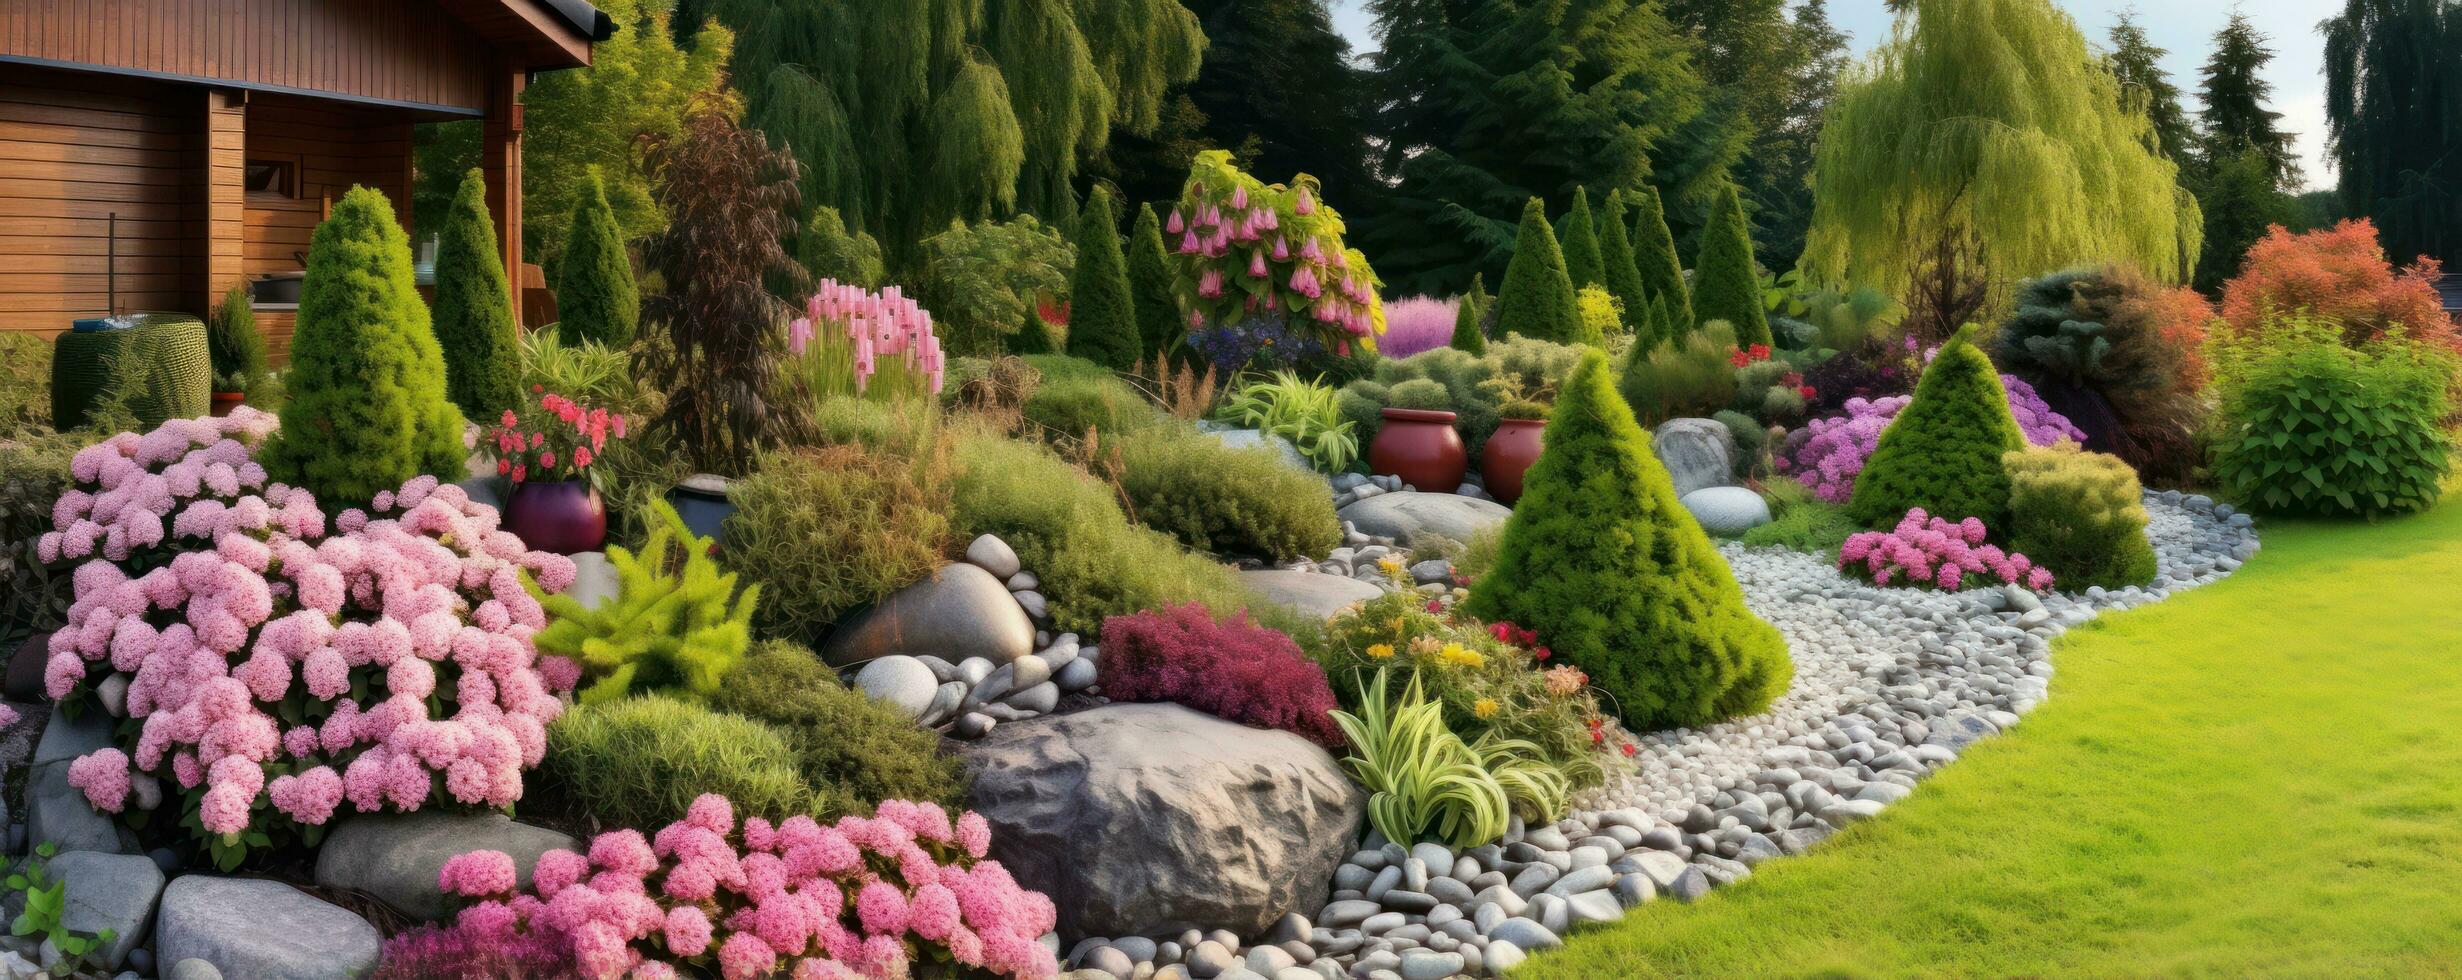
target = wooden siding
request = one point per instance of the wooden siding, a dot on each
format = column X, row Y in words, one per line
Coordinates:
column 391, row 50
column 333, row 146
column 75, row 148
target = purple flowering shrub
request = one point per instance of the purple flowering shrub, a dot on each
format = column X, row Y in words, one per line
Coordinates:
column 1417, row 324
column 1230, row 668
column 862, row 897
column 265, row 661
column 1828, row 453
column 1924, row 550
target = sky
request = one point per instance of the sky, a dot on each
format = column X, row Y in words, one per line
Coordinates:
column 2185, row 27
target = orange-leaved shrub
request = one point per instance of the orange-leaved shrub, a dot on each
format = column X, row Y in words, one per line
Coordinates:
column 2341, row 274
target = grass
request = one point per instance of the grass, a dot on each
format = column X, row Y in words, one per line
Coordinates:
column 2260, row 777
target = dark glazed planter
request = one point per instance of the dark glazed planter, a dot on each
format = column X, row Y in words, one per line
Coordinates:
column 1421, row 447
column 701, row 500
column 563, row 516
column 225, row 401
column 1508, row 455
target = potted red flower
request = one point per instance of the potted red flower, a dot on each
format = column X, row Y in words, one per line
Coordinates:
column 546, row 448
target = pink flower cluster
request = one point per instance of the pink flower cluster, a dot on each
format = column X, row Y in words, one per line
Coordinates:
column 552, row 438
column 856, row 898
column 422, row 604
column 879, row 324
column 129, row 487
column 1827, row 454
column 1280, row 242
column 1926, row 550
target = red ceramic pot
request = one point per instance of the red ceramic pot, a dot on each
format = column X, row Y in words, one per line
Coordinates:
column 1421, row 447
column 1508, row 454
column 225, row 401
column 564, row 516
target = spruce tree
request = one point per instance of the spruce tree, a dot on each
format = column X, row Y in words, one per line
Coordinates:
column 1584, row 260
column 1654, row 254
column 474, row 308
column 1603, row 562
column 1102, row 309
column 1623, row 274
column 1466, row 317
column 1729, row 288
column 1537, row 300
column 1033, row 336
column 2393, row 107
column 828, row 251
column 1159, row 326
column 596, row 299
column 2145, row 89
column 1943, row 452
column 367, row 408
column 2240, row 200
column 2233, row 97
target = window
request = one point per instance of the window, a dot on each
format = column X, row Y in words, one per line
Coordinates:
column 272, row 178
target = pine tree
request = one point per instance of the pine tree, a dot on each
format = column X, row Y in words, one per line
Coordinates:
column 1582, row 257
column 1623, row 273
column 1730, row 288
column 1102, row 310
column 2240, row 200
column 1614, row 575
column 1159, row 327
column 1943, row 452
column 828, row 251
column 1466, row 317
column 367, row 409
column 1776, row 173
column 2234, row 95
column 596, row 299
column 474, row 308
column 1654, row 254
column 2145, row 89
column 1033, row 336
column 1537, row 300
column 2393, row 106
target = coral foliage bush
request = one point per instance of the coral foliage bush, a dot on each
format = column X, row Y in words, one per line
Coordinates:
column 1230, row 668
column 1936, row 552
column 2340, row 273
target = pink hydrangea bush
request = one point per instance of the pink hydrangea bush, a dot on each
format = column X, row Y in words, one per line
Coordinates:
column 276, row 672
column 1827, row 454
column 863, row 897
column 1924, row 550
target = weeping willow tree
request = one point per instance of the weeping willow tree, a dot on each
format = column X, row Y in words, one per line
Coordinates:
column 1989, row 120
column 909, row 115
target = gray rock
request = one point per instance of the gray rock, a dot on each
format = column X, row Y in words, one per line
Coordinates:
column 1026, row 672
column 108, row 891
column 396, row 857
column 1109, row 960
column 993, row 555
column 1727, row 510
column 1689, row 886
column 1697, row 453
column 1147, row 818
column 66, row 738
column 961, row 611
column 973, row 724
column 1076, row 675
column 1313, row 593
column 1039, row 699
column 945, row 699
column 1036, row 607
column 1347, row 913
column 58, row 814
column 192, row 968
column 1502, row 955
column 904, row 683
column 1523, row 934
column 1404, row 514
column 1595, row 906
column 1024, row 582
column 1424, row 965
column 594, row 580
column 1252, row 438
column 262, row 930
column 1209, row 959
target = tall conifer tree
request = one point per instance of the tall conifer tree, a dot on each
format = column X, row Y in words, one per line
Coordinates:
column 1654, row 254
column 1729, row 288
column 474, row 308
column 1623, row 274
column 2393, row 107
column 1583, row 259
column 2144, row 86
column 1102, row 307
column 1159, row 325
column 2234, row 95
column 1537, row 298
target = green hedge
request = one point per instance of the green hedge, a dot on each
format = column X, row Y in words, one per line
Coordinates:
column 1227, row 501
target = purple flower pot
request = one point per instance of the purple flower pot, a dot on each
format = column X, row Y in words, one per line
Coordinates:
column 564, row 516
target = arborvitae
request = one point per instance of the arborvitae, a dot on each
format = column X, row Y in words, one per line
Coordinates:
column 596, row 299
column 367, row 407
column 828, row 251
column 1102, row 312
column 1466, row 317
column 232, row 340
column 1537, row 298
column 1614, row 575
column 1159, row 326
column 1033, row 336
column 1654, row 255
column 1623, row 274
column 1584, row 262
column 1726, row 287
column 1943, row 453
column 474, row 308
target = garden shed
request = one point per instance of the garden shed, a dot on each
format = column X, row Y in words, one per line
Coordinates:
column 165, row 150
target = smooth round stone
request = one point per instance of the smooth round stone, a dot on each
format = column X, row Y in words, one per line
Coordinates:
column 974, row 724
column 904, row 683
column 1076, row 675
column 1026, row 672
column 993, row 555
column 1727, row 510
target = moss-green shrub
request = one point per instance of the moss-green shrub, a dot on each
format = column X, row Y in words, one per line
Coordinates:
column 1603, row 563
column 237, row 348
column 828, row 251
column 1467, row 315
column 1800, row 521
column 1419, row 393
column 1943, row 452
column 676, row 624
column 831, row 529
column 1688, row 377
column 1102, row 307
column 640, row 762
column 1726, row 285
column 596, row 298
column 1227, row 501
column 2079, row 514
column 852, row 751
column 1076, row 395
column 25, row 384
column 367, row 408
column 1536, row 299
column 1159, row 325
column 34, row 596
column 474, row 308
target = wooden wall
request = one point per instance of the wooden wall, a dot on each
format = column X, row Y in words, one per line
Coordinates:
column 334, row 146
column 73, row 149
column 394, row 50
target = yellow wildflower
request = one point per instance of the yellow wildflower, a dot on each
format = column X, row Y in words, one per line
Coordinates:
column 1455, row 653
column 1392, row 564
column 1381, row 651
column 1484, row 707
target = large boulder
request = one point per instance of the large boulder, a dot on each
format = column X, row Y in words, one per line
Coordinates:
column 108, row 891
column 1151, row 819
column 961, row 611
column 1727, row 510
column 1314, row 593
column 395, row 857
column 1697, row 453
column 58, row 814
column 1405, row 514
column 263, row 930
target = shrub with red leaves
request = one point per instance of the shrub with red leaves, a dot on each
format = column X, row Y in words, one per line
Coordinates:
column 1230, row 668
column 2340, row 273
column 439, row 953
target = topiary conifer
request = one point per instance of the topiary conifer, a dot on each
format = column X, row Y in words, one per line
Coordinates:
column 1033, row 336
column 1614, row 575
column 1159, row 326
column 596, row 299
column 1466, row 317
column 1654, row 256
column 1623, row 274
column 367, row 408
column 474, row 308
column 1726, row 286
column 1102, row 310
column 1584, row 262
column 1943, row 452
column 1537, row 298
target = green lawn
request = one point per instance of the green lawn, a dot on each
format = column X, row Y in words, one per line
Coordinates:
column 2263, row 776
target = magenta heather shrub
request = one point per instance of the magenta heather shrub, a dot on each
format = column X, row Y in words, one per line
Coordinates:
column 1231, row 668
column 447, row 953
column 1933, row 551
column 1828, row 453
column 863, row 897
column 1420, row 323
column 241, row 630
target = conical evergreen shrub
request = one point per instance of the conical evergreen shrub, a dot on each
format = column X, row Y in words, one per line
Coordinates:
column 1159, row 326
column 1654, row 255
column 474, row 308
column 1943, row 452
column 367, row 408
column 1033, row 336
column 1466, row 317
column 1583, row 261
column 596, row 299
column 1537, row 298
column 1102, row 311
column 1623, row 274
column 1614, row 575
column 1725, row 285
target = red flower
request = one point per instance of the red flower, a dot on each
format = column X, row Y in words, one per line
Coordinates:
column 1542, row 653
column 1597, row 737
column 1807, row 392
column 520, row 472
column 504, row 466
column 1738, row 359
column 1760, row 352
column 536, row 389
column 1435, row 606
column 1629, row 749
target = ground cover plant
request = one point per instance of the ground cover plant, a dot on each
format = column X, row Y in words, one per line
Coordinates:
column 640, row 761
column 851, row 751
column 1226, row 666
column 1308, row 413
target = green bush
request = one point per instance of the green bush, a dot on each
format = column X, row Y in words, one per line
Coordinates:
column 2309, row 426
column 2080, row 514
column 25, row 384
column 1688, row 377
column 1601, row 315
column 1726, row 285
column 1102, row 309
column 587, row 372
column 1943, row 452
column 34, row 596
column 980, row 281
column 596, row 299
column 237, row 348
column 367, row 408
column 640, row 762
column 1077, row 395
column 828, row 251
column 1159, row 326
column 1602, row 562
column 1536, row 299
column 830, row 530
column 474, row 308
column 1229, row 501
column 2096, row 345
column 1426, row 394
column 676, row 623
column 1307, row 413
column 1034, row 335
column 1623, row 270
column 852, row 751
